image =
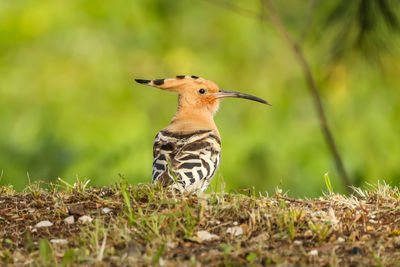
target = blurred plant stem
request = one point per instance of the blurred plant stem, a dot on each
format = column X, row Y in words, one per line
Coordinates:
column 298, row 54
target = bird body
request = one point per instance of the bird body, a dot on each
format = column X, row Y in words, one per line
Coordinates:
column 191, row 159
column 186, row 153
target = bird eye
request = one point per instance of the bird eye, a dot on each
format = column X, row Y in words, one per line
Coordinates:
column 202, row 91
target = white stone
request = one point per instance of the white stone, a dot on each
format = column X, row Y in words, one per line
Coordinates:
column 313, row 252
column 170, row 244
column 59, row 241
column 206, row 236
column 236, row 231
column 43, row 224
column 298, row 242
column 340, row 240
column 85, row 219
column 105, row 210
column 69, row 220
column 267, row 216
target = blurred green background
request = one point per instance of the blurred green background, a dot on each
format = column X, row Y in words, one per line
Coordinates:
column 69, row 106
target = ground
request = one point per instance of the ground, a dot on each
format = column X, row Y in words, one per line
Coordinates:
column 71, row 225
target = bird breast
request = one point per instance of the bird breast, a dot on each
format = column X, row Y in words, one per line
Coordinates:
column 187, row 161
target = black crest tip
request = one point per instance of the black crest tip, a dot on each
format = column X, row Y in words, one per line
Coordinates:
column 180, row 76
column 142, row 81
column 194, row 77
column 158, row 81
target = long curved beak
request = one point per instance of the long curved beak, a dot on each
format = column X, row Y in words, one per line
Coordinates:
column 225, row 93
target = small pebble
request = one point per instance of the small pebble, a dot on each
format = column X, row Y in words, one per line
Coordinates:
column 340, row 240
column 59, row 241
column 43, row 224
column 69, row 220
column 313, row 252
column 236, row 231
column 105, row 210
column 206, row 236
column 85, row 219
column 170, row 244
column 298, row 242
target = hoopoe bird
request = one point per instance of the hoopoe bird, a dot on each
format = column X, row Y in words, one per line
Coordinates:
column 186, row 153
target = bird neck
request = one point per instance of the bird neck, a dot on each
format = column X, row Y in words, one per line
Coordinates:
column 188, row 120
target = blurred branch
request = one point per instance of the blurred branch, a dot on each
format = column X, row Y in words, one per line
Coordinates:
column 298, row 54
column 274, row 17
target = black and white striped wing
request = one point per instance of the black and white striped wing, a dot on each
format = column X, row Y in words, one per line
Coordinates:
column 193, row 159
column 163, row 151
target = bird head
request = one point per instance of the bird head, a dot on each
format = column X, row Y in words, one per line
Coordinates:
column 197, row 93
